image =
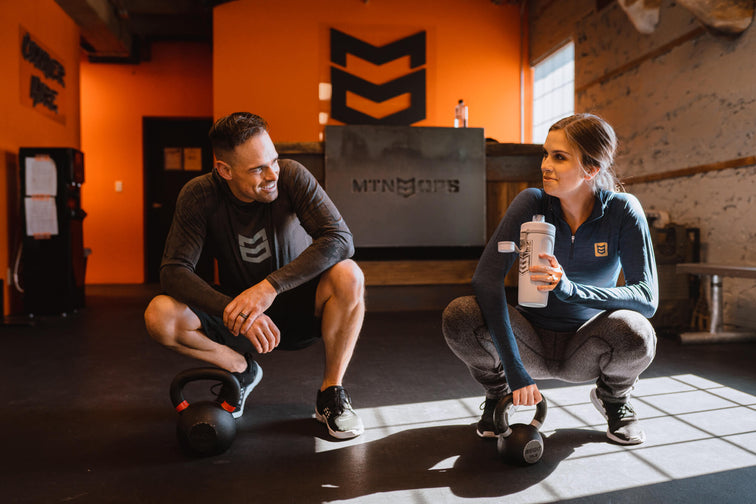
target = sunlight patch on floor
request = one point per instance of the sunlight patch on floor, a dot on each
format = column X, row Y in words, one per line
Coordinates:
column 693, row 426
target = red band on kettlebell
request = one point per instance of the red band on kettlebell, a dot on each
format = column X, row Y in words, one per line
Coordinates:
column 182, row 406
column 228, row 407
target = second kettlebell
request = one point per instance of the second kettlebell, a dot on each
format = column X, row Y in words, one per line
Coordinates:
column 520, row 444
column 205, row 427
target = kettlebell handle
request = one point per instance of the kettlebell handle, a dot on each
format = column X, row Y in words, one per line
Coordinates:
column 204, row 373
column 505, row 404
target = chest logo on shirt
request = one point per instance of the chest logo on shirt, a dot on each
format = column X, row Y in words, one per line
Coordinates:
column 255, row 249
column 601, row 249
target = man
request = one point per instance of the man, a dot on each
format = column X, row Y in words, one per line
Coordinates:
column 282, row 252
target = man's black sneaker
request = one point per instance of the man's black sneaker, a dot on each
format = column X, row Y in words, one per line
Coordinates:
column 248, row 380
column 486, row 428
column 334, row 408
column 624, row 427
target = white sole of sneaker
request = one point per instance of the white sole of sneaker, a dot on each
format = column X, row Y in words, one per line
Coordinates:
column 258, row 376
column 486, row 434
column 338, row 434
column 600, row 407
column 617, row 440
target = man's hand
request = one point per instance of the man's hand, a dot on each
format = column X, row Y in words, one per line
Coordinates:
column 245, row 308
column 263, row 334
column 526, row 396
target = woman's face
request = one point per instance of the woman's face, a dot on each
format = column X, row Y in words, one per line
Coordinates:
column 562, row 172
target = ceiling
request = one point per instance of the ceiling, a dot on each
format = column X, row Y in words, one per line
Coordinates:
column 121, row 31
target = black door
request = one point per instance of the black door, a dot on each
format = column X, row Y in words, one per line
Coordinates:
column 175, row 151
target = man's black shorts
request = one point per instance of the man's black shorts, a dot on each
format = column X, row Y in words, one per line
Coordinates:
column 292, row 311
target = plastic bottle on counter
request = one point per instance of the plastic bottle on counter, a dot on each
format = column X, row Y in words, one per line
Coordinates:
column 460, row 115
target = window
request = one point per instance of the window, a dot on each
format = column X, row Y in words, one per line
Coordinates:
column 553, row 90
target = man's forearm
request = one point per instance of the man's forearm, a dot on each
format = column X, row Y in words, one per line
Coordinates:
column 186, row 286
column 323, row 253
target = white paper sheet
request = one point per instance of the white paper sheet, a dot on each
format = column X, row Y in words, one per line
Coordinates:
column 41, row 216
column 41, row 176
column 193, row 158
column 172, row 157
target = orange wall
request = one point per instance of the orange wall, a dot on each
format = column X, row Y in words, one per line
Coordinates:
column 270, row 55
column 21, row 125
column 176, row 82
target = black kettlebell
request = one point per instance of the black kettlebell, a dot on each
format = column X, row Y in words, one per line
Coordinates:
column 205, row 427
column 519, row 443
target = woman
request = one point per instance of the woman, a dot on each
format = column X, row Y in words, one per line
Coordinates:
column 591, row 328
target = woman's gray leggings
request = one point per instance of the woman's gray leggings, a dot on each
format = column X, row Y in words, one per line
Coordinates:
column 613, row 348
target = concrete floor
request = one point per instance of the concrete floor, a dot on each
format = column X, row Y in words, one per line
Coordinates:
column 86, row 417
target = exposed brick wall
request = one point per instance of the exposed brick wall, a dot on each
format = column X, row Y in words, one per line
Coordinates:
column 678, row 98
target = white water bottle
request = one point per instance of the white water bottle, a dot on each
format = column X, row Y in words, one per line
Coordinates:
column 536, row 237
column 460, row 115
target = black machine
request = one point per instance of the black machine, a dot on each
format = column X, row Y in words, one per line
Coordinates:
column 53, row 257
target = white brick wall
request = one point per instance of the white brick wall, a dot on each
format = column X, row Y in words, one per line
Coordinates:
column 693, row 105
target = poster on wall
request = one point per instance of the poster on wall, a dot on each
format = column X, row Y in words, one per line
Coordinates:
column 193, row 159
column 42, row 77
column 173, row 158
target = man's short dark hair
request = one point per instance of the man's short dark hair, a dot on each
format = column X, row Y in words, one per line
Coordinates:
column 232, row 130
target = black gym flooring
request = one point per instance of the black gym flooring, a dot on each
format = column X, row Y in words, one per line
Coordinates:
column 86, row 418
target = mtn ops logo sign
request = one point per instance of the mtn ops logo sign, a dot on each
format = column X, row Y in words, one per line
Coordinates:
column 405, row 187
column 343, row 82
column 408, row 186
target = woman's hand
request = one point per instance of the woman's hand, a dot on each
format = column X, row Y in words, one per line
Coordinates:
column 526, row 396
column 550, row 275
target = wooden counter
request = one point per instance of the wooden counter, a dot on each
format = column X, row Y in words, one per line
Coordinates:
column 510, row 168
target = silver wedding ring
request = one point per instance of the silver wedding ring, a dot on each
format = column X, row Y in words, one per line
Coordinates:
column 243, row 315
